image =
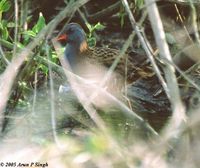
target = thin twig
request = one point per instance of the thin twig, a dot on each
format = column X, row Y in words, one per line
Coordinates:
column 52, row 99
column 181, row 19
column 35, row 92
column 104, row 13
column 194, row 22
column 178, row 117
column 4, row 56
column 16, row 27
column 145, row 44
column 184, row 75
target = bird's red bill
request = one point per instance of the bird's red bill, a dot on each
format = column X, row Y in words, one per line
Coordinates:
column 62, row 37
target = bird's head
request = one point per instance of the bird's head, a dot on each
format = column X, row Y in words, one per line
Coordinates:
column 74, row 35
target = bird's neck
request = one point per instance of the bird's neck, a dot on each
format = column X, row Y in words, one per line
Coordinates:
column 73, row 52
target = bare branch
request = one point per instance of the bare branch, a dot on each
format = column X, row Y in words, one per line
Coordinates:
column 169, row 71
column 145, row 44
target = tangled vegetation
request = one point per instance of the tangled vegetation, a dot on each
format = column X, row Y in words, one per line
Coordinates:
column 45, row 122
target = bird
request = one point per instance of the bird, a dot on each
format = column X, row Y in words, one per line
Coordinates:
column 94, row 62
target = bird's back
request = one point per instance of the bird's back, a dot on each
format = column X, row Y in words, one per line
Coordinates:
column 106, row 56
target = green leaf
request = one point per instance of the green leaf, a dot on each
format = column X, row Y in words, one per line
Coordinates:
column 92, row 28
column 90, row 35
column 99, row 26
column 20, row 45
column 139, row 3
column 122, row 19
column 1, row 25
column 6, row 43
column 40, row 24
column 89, row 26
column 5, row 34
column 96, row 144
column 4, row 5
column 54, row 57
column 11, row 24
column 29, row 33
column 4, row 30
column 44, row 68
column 91, row 41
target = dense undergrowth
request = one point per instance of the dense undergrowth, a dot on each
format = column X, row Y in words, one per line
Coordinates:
column 158, row 127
